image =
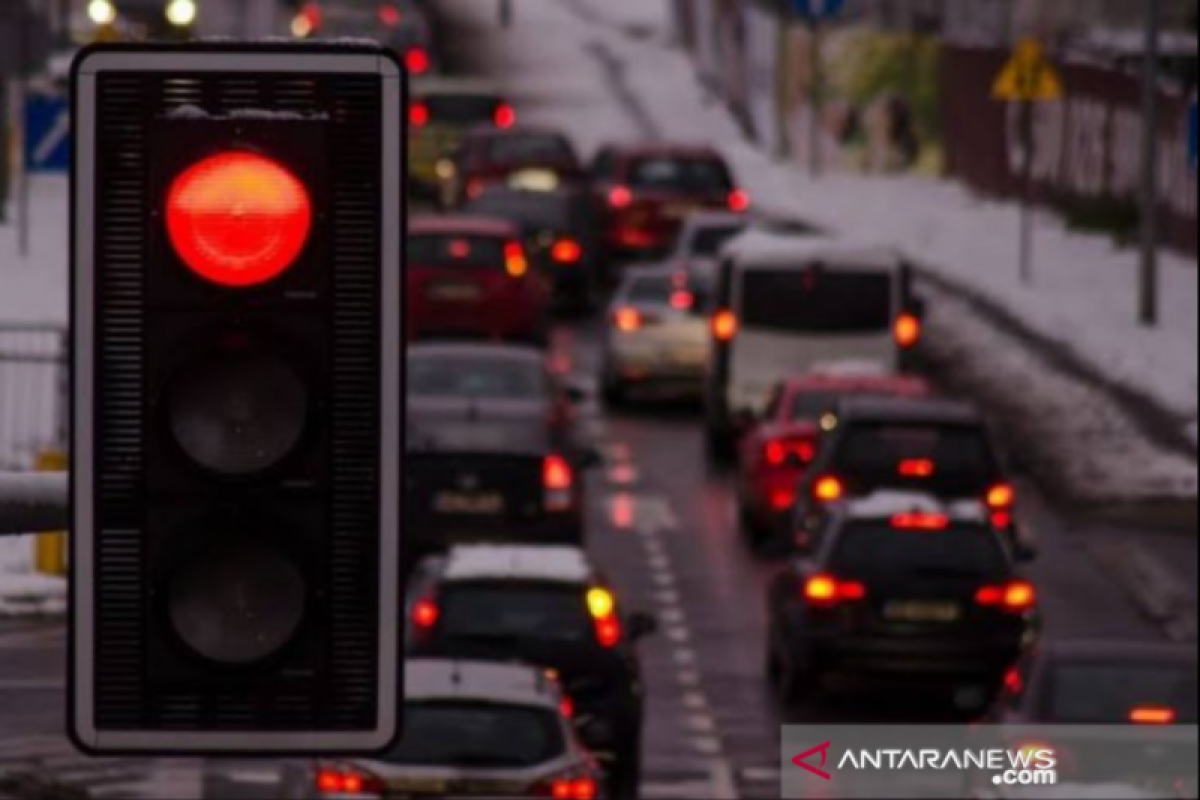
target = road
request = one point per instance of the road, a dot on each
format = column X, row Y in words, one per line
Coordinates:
column 661, row 523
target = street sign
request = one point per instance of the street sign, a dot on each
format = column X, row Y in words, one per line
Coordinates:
column 1028, row 77
column 47, row 134
column 238, row 302
column 818, row 10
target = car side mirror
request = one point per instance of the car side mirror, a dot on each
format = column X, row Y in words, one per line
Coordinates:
column 641, row 626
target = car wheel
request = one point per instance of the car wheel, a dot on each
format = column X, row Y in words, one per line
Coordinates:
column 625, row 780
column 752, row 532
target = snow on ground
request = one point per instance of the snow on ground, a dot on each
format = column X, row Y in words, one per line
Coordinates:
column 1083, row 296
column 22, row 593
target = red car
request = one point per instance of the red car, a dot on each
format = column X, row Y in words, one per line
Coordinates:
column 777, row 450
column 651, row 190
column 470, row 278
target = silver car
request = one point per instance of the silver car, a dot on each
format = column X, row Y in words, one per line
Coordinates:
column 657, row 336
column 471, row 729
column 699, row 244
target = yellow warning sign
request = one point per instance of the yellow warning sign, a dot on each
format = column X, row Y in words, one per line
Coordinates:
column 1028, row 77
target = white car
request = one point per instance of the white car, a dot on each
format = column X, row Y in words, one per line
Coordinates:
column 471, row 729
column 700, row 240
column 786, row 303
column 657, row 336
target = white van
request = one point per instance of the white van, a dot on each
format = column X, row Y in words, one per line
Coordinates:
column 785, row 303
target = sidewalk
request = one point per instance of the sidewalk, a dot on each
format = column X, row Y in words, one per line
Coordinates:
column 629, row 80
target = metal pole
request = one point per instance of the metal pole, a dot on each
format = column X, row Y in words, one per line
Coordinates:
column 5, row 151
column 814, row 141
column 783, row 139
column 1148, row 290
column 33, row 502
column 506, row 13
column 1027, row 139
column 23, row 71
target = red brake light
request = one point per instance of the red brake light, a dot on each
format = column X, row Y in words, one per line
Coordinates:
column 1016, row 596
column 238, row 219
column 566, row 707
column 829, row 489
column 425, row 615
column 724, row 325
column 329, row 782
column 921, row 522
column 419, row 115
column 907, row 331
column 417, row 60
column 569, row 789
column 783, row 499
column 515, row 261
column 506, row 116
column 778, row 452
column 347, row 782
column 608, row 632
column 917, row 468
column 620, row 197
column 828, row 590
column 627, row 320
column 682, row 300
column 460, row 249
column 557, row 475
column 390, row 16
column 566, row 251
column 1014, row 683
column 739, row 201
column 1153, row 715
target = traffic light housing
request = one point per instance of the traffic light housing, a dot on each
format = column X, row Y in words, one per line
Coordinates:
column 237, row 301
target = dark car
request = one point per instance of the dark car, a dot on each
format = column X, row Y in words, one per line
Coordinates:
column 1114, row 713
column 550, row 607
column 489, row 157
column 938, row 447
column 651, row 190
column 471, row 278
column 488, row 464
column 902, row 586
column 561, row 233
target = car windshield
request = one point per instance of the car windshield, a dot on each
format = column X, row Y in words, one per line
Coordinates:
column 650, row 290
column 530, row 210
column 871, row 551
column 1092, row 692
column 480, row 735
column 483, row 376
column 462, row 110
column 685, row 175
column 811, row 406
column 529, row 149
column 516, row 610
column 877, row 451
column 449, row 250
column 707, row 241
column 817, row 301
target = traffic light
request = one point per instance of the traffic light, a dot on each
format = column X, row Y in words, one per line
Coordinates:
column 237, row 219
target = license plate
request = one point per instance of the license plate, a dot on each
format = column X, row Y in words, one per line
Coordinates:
column 429, row 787
column 919, row 611
column 482, row 504
column 455, row 292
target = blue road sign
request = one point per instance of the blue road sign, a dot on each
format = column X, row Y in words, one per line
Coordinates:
column 47, row 134
column 818, row 10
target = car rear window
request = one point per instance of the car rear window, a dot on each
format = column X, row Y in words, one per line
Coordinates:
column 445, row 250
column 478, row 377
column 1084, row 692
column 687, row 175
column 877, row 450
column 529, row 149
column 461, row 109
column 654, row 290
column 530, row 210
column 515, row 610
column 814, row 300
column 479, row 735
column 708, row 241
column 964, row 552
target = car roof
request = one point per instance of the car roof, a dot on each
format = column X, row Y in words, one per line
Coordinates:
column 435, row 679
column 462, row 225
column 1119, row 651
column 771, row 247
column 568, row 565
column 715, row 219
column 904, row 409
column 884, row 505
column 833, row 378
column 425, row 87
column 510, row 352
column 667, row 150
column 524, row 132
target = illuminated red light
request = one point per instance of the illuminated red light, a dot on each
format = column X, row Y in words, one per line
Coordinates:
column 620, row 197
column 908, row 331
column 921, row 522
column 739, row 201
column 682, row 300
column 725, row 326
column 1153, row 715
column 1001, row 497
column 557, row 475
column 782, row 499
column 419, row 115
column 829, row 490
column 627, row 320
column 608, row 632
column 238, row 219
column 828, row 590
column 426, row 614
column 567, row 251
column 390, row 16
column 417, row 60
column 567, row 708
column 917, row 468
column 506, row 116
column 460, row 249
column 1015, row 596
column 573, row 789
